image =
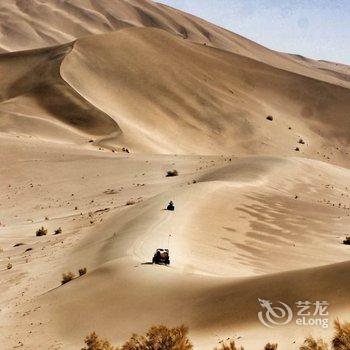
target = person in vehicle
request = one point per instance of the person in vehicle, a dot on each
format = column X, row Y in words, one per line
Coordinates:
column 171, row 206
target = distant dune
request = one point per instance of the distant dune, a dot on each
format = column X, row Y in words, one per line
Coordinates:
column 98, row 100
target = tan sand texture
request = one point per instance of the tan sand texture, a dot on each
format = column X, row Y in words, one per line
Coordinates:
column 261, row 206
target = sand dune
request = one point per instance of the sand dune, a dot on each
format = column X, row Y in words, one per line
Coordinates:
column 258, row 237
column 38, row 23
column 217, row 97
column 112, row 95
column 126, row 90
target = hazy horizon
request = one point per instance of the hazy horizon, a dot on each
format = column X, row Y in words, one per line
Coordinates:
column 315, row 29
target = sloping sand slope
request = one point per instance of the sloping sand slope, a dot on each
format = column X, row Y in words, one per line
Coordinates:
column 28, row 24
column 35, row 101
column 262, row 206
column 238, row 224
column 138, row 77
column 131, row 89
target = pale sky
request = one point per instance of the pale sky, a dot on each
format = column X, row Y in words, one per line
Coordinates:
column 318, row 29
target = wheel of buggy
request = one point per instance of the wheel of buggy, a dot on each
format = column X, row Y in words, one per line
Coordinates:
column 167, row 262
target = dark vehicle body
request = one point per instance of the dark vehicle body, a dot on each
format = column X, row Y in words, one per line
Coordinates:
column 161, row 256
column 170, row 206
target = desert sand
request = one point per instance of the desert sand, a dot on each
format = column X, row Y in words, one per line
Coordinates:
column 98, row 100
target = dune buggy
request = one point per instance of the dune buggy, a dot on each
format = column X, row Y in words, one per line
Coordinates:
column 161, row 256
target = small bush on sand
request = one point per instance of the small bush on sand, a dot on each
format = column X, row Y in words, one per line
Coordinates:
column 163, row 338
column 67, row 277
column 311, row 344
column 9, row 266
column 130, row 202
column 41, row 232
column 157, row 338
column 82, row 271
column 341, row 339
column 347, row 240
column 160, row 337
column 229, row 346
column 170, row 173
column 58, row 231
column 93, row 342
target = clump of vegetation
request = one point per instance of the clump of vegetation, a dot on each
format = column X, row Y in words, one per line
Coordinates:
column 157, row 338
column 311, row 344
column 93, row 342
column 347, row 240
column 170, row 173
column 67, row 277
column 270, row 118
column 160, row 337
column 82, row 271
column 130, row 202
column 9, row 266
column 341, row 339
column 41, row 232
column 164, row 338
column 229, row 346
column 18, row 245
column 58, row 231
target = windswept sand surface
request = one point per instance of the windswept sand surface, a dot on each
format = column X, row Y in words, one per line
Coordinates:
column 255, row 218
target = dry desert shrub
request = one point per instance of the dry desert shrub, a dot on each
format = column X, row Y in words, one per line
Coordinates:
column 311, row 344
column 67, row 277
column 93, row 342
column 41, row 232
column 347, row 240
column 82, row 271
column 170, row 173
column 159, row 338
column 341, row 339
column 163, row 338
column 9, row 266
column 229, row 346
column 58, row 231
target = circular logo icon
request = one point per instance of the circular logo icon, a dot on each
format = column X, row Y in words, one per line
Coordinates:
column 274, row 315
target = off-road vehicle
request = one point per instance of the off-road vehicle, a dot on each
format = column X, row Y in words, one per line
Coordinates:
column 161, row 256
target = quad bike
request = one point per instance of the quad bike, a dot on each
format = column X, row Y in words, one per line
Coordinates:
column 161, row 256
column 171, row 206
